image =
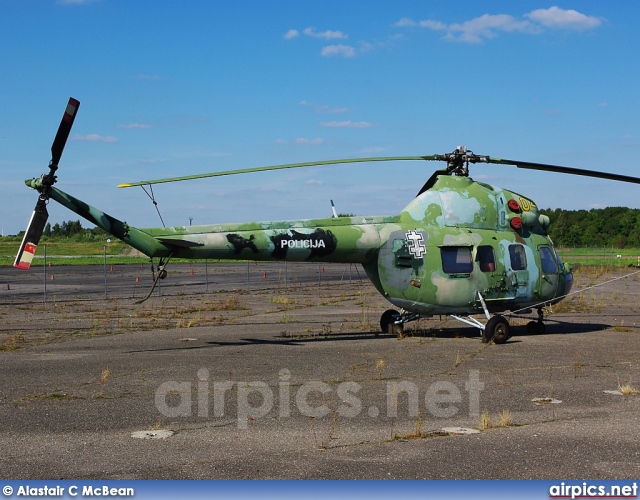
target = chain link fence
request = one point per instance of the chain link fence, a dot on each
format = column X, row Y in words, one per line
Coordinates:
column 95, row 282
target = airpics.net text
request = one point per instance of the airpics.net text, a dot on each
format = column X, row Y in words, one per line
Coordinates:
column 250, row 400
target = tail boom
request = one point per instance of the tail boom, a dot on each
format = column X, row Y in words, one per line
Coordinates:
column 138, row 239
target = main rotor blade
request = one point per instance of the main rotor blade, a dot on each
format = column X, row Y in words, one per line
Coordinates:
column 63, row 131
column 32, row 235
column 566, row 170
column 274, row 167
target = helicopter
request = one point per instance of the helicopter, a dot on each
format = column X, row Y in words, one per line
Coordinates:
column 460, row 248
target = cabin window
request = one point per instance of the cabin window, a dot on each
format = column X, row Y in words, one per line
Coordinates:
column 486, row 259
column 518, row 257
column 456, row 260
column 549, row 265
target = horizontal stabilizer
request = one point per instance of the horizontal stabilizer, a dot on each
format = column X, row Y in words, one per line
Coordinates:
column 176, row 242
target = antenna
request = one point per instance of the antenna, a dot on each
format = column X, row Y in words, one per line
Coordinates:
column 333, row 207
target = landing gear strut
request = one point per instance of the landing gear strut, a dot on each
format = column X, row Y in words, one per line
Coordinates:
column 496, row 329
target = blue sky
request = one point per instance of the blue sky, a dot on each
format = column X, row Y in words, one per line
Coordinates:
column 173, row 88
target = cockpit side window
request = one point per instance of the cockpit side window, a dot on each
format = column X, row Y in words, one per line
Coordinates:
column 518, row 257
column 549, row 264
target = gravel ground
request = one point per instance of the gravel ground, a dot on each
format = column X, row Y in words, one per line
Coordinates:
column 265, row 372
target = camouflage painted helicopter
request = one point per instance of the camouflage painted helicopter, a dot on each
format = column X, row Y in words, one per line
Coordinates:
column 460, row 248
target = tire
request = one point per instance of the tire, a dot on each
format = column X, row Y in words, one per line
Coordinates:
column 496, row 330
column 387, row 324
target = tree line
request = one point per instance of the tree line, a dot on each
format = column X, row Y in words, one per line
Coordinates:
column 72, row 229
column 612, row 226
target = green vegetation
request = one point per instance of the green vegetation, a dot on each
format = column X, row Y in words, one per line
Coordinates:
column 70, row 243
column 617, row 227
column 600, row 256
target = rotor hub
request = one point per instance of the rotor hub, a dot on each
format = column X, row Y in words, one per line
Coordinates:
column 458, row 161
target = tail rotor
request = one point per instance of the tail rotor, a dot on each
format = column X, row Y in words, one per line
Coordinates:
column 43, row 185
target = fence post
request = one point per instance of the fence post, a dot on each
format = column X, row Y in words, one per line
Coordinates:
column 45, row 273
column 206, row 275
column 104, row 248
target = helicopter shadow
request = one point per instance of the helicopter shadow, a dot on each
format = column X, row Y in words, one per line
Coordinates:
column 553, row 327
column 559, row 327
column 294, row 341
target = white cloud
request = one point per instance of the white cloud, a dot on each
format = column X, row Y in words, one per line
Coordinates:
column 134, row 125
column 555, row 17
column 328, row 35
column 433, row 25
column 404, row 23
column 489, row 26
column 94, row 138
column 346, row 124
column 338, row 50
column 330, row 50
column 314, row 182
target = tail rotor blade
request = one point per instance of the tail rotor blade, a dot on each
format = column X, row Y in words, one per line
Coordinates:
column 63, row 131
column 32, row 236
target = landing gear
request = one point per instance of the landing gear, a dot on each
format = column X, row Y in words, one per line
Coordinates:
column 496, row 329
column 537, row 327
column 388, row 323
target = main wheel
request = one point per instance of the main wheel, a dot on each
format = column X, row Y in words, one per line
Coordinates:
column 496, row 329
column 387, row 324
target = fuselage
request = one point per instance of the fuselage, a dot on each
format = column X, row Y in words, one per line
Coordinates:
column 456, row 241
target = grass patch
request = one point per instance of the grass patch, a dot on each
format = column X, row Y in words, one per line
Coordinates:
column 626, row 389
